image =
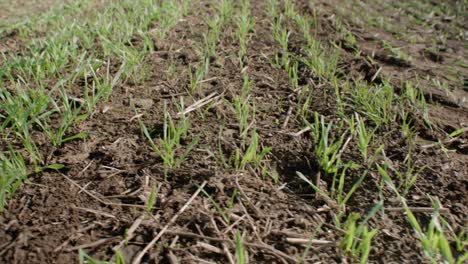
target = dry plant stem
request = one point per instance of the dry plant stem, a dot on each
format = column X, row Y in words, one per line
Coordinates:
column 97, row 198
column 172, row 258
column 140, row 255
column 305, row 241
column 94, row 212
column 376, row 74
column 200, row 103
column 447, row 141
column 209, row 247
column 225, row 248
column 228, row 254
column 263, row 246
column 300, row 132
column 257, row 211
column 234, row 224
column 288, row 116
column 91, row 245
column 345, row 146
column 130, row 232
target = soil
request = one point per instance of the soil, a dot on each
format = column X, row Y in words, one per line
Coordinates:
column 17, row 10
column 100, row 195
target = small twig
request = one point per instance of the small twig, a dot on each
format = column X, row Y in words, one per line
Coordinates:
column 199, row 260
column 6, row 248
column 140, row 255
column 447, row 141
column 130, row 232
column 91, row 245
column 317, row 183
column 249, row 202
column 345, row 146
column 225, row 248
column 198, row 104
column 135, row 117
column 376, row 74
column 209, row 247
column 234, row 224
column 172, row 258
column 288, row 116
column 249, row 244
column 305, row 241
column 97, row 198
column 207, row 80
column 228, row 254
column 94, row 212
column 85, row 168
column 300, row 132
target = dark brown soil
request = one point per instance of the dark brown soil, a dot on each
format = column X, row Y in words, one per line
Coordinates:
column 101, row 194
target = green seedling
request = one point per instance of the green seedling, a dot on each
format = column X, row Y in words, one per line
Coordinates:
column 415, row 99
column 357, row 241
column 68, row 116
column 100, row 89
column 336, row 194
column 365, row 137
column 252, row 156
column 57, row 48
column 225, row 10
column 406, row 179
column 396, row 52
column 217, row 207
column 22, row 109
column 151, row 199
column 376, row 103
column 344, row 33
column 292, row 70
column 289, row 8
column 232, row 199
column 244, row 112
column 12, row 173
column 168, row 147
column 408, row 130
column 281, row 35
column 434, row 240
column 327, row 148
column 305, row 97
column 197, row 75
column 328, row 155
column 240, row 251
column 323, row 63
column 211, row 37
column 303, row 22
column 246, row 85
column 244, row 26
column 132, row 66
column 273, row 10
column 169, row 16
column 87, row 259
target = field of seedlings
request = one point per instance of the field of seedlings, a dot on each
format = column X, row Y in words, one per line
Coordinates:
column 233, row 131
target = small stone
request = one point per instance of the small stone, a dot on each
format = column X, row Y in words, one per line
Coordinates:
column 143, row 103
